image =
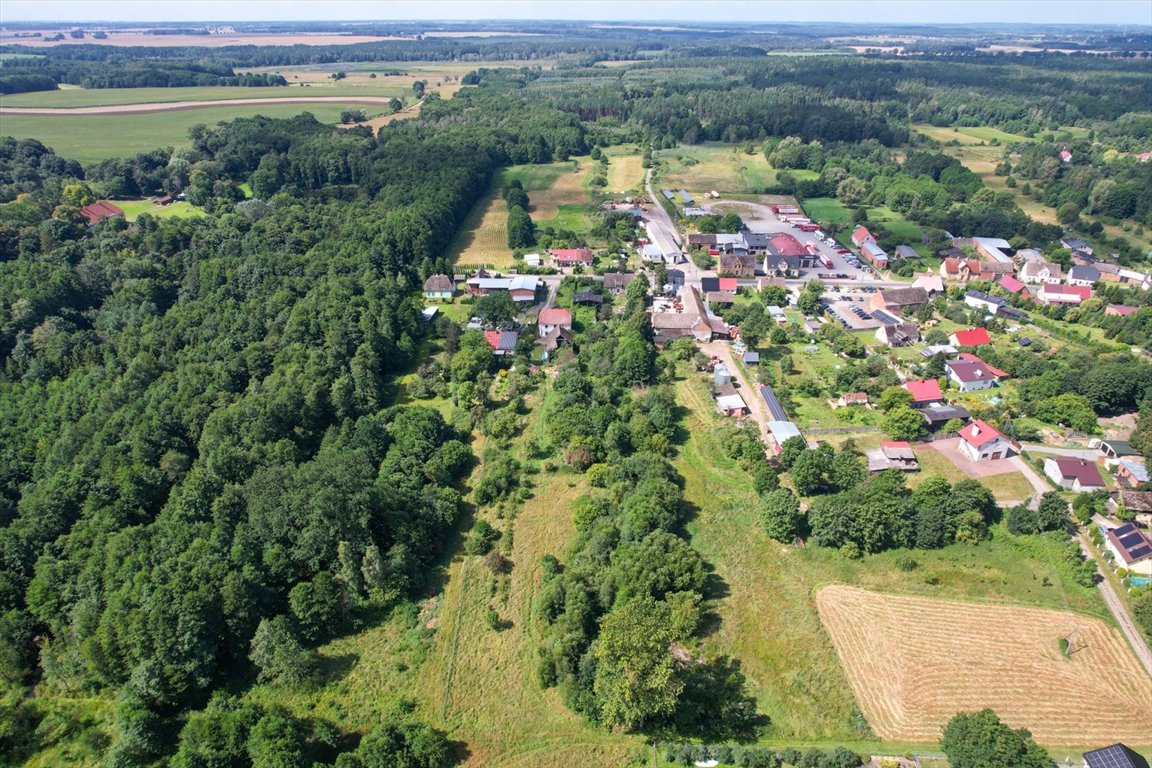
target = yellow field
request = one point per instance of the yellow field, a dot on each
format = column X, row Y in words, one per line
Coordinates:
column 914, row 662
column 625, row 173
column 483, row 239
column 568, row 189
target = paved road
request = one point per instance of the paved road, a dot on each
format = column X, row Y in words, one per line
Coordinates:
column 1077, row 453
column 1120, row 613
column 665, row 235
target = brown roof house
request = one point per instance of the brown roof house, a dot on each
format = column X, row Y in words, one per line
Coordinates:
column 899, row 299
column 439, row 288
column 1073, row 474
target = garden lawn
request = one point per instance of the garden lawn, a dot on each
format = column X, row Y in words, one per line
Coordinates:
column 828, row 210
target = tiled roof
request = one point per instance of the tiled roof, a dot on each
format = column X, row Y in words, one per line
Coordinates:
column 979, row 433
column 973, row 337
column 924, row 391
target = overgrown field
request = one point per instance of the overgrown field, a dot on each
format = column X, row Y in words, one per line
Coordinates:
column 91, row 138
column 721, row 167
column 768, row 617
column 914, row 662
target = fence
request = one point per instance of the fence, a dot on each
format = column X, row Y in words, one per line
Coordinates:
column 838, row 430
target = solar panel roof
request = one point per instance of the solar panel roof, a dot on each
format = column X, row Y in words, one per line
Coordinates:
column 1115, row 756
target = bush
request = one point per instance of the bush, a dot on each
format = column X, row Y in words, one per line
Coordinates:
column 482, row 538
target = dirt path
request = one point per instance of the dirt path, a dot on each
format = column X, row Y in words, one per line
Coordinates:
column 1120, row 613
column 748, row 391
column 1039, row 484
column 173, row 106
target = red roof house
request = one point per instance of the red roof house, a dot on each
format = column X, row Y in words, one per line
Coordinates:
column 973, row 337
column 570, row 257
column 925, row 392
column 979, row 441
column 100, row 210
column 1012, row 285
column 1064, row 294
column 1073, row 474
column 552, row 318
column 728, row 284
column 861, row 236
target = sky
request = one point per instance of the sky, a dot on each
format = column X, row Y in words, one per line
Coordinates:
column 1095, row 12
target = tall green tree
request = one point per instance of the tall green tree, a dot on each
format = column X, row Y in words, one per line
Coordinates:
column 981, row 740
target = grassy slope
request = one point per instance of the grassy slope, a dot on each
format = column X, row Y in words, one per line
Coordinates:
column 769, row 619
column 90, row 138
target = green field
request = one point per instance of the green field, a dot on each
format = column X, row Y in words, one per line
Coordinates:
column 91, row 138
column 828, row 210
column 768, row 618
column 133, row 208
column 702, row 168
column 896, row 224
column 100, row 97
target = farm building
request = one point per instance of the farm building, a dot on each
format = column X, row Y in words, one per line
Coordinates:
column 554, row 338
column 981, row 300
column 553, row 318
column 897, row 334
column 973, row 337
column 932, row 284
column 652, row 253
column 906, row 252
column 100, row 210
column 503, row 343
column 439, row 288
column 899, row 299
column 1131, row 547
column 1138, row 503
column 1073, row 474
column 782, row 431
column 979, row 441
column 924, row 393
column 737, row 264
column 720, row 298
column 875, row 255
column 1081, row 275
column 533, row 260
column 731, row 405
column 937, row 349
column 1119, row 310
column 992, row 248
column 777, row 314
column 616, row 282
column 1115, row 449
column 1014, row 286
column 1063, row 294
column 1115, row 756
column 892, row 455
column 691, row 320
column 571, row 257
column 853, row 398
column 1132, row 472
column 522, row 287
column 751, row 358
column 1076, row 244
column 861, row 235
column 775, row 410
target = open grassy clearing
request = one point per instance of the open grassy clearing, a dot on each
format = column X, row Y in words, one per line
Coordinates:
column 914, row 662
column 828, row 210
column 133, row 208
column 896, row 224
column 769, row 619
column 556, row 194
column 91, row 138
column 625, row 173
column 706, row 167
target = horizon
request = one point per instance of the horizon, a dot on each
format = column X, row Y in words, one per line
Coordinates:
column 1121, row 13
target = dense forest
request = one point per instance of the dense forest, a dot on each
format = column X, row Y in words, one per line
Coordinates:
column 201, row 476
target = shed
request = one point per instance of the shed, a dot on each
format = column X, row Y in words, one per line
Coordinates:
column 751, row 358
column 731, row 405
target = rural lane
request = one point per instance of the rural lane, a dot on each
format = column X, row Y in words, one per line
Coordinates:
column 173, row 106
column 1120, row 613
column 1076, row 453
column 722, row 350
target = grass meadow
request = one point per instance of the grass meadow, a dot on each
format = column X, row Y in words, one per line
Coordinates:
column 133, row 208
column 722, row 167
column 91, row 138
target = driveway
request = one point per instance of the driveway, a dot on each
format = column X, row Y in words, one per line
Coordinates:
column 950, row 448
column 751, row 394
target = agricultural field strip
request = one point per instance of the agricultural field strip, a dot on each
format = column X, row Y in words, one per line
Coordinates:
column 172, row 106
column 914, row 662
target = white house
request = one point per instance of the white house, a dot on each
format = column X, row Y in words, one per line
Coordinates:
column 439, row 288
column 981, row 300
column 1131, row 547
column 1039, row 272
column 552, row 318
column 969, row 376
column 981, row 442
column 1073, row 474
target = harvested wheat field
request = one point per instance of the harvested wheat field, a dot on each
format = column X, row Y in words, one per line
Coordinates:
column 913, row 662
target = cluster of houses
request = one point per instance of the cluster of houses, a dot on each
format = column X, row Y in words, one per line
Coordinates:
column 1027, row 274
column 687, row 317
column 744, row 253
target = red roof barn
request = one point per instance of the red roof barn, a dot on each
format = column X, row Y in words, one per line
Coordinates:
column 100, row 210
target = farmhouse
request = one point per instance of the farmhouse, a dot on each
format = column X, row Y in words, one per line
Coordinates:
column 616, row 282
column 1073, row 474
column 571, row 257
column 898, row 334
column 1132, row 472
column 553, row 318
column 925, row 393
column 1131, row 547
column 892, row 455
column 981, row 442
column 737, row 264
column 522, row 288
column 100, row 210
column 1076, row 244
column 899, row 299
column 503, row 343
column 690, row 320
column 861, row 236
column 853, row 398
column 1081, row 275
column 973, row 337
column 1063, row 294
column 970, row 375
column 981, row 300
column 955, row 269
column 439, row 288
column 875, row 255
column 1115, row 756
column 1039, row 272
column 785, row 254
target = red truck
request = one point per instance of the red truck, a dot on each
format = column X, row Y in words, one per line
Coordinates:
column 809, row 227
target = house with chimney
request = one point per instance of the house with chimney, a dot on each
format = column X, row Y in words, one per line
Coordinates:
column 1073, row 474
column 971, row 375
column 571, row 257
column 979, row 441
column 552, row 318
column 1063, row 294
